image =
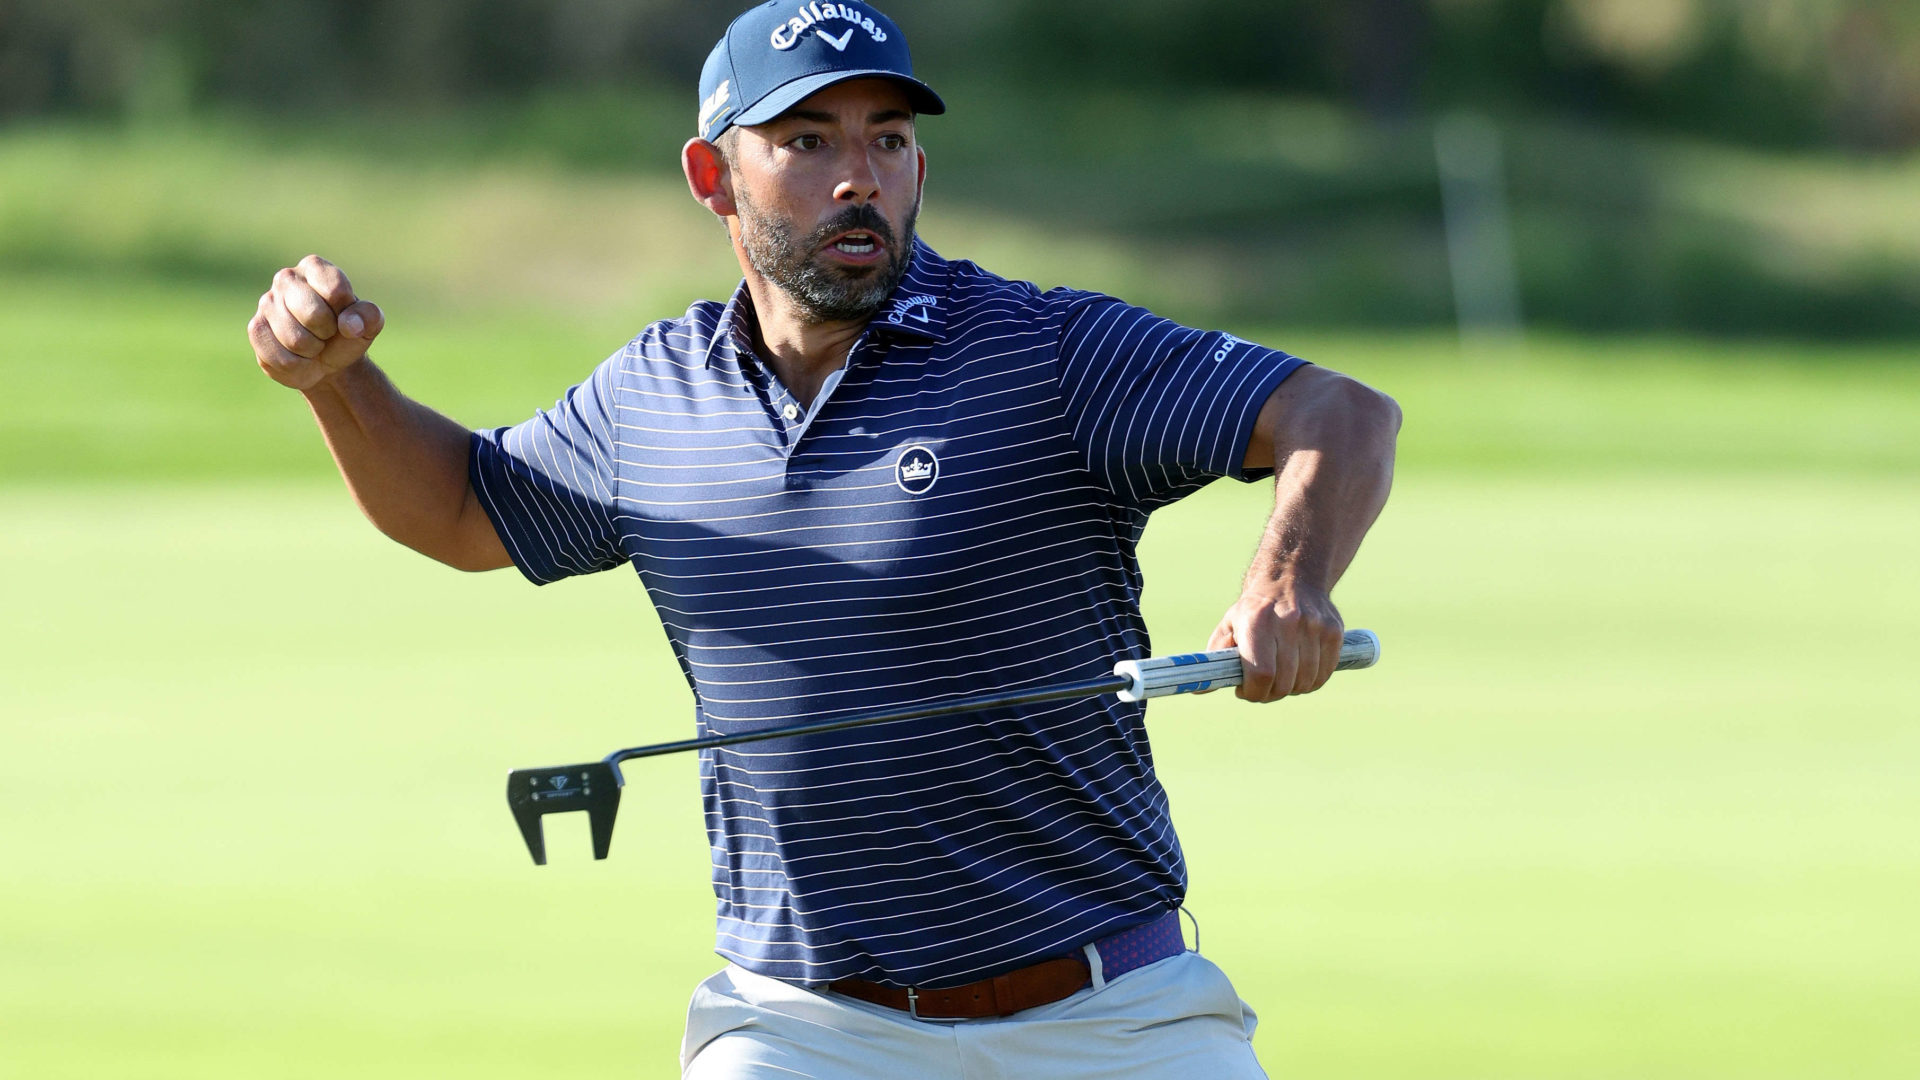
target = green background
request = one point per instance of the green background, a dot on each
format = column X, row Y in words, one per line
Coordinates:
column 1632, row 794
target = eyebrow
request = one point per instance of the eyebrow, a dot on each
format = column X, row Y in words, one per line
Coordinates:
column 885, row 116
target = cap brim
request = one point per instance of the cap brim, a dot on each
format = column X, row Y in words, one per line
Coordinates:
column 922, row 97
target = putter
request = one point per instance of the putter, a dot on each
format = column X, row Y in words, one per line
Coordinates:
column 595, row 786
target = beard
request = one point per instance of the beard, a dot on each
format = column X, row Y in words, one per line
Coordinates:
column 825, row 292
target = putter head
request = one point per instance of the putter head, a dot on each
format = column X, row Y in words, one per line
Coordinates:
column 595, row 788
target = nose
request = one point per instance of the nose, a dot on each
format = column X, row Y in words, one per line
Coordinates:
column 860, row 182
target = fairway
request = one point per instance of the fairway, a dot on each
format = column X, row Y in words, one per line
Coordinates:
column 1631, row 793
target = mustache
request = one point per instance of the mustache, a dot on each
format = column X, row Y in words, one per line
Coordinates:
column 863, row 217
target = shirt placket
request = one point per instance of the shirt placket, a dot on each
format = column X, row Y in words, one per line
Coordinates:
column 791, row 422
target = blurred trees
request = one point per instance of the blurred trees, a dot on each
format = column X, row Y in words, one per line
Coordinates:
column 1311, row 122
column 1837, row 73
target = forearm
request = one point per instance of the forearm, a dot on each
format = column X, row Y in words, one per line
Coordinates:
column 1330, row 442
column 1333, row 467
column 406, row 466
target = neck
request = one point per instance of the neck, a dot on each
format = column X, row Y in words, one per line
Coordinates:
column 801, row 353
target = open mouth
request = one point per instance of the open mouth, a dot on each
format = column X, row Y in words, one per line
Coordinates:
column 856, row 243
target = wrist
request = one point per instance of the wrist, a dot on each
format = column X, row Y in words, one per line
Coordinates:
column 1289, row 578
column 337, row 384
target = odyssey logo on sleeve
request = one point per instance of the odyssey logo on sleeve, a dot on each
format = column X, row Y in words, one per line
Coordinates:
column 1228, row 343
column 916, row 470
column 813, row 14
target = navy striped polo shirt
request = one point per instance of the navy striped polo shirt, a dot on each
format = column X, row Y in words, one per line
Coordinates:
column 956, row 512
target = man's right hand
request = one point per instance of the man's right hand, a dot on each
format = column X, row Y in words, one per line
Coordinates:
column 310, row 325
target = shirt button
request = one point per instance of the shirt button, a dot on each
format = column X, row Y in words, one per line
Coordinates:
column 790, row 411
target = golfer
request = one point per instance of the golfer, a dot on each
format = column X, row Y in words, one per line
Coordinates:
column 876, row 477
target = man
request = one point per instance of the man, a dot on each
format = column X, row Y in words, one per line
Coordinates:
column 876, row 477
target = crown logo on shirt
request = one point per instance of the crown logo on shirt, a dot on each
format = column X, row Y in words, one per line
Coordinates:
column 917, row 470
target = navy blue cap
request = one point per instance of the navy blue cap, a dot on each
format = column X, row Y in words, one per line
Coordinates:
column 777, row 54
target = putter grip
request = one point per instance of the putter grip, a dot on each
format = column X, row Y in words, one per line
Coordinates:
column 1189, row 673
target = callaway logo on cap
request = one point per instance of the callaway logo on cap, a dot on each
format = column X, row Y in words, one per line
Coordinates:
column 781, row 52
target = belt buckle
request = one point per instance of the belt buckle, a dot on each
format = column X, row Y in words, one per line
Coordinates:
column 913, row 1003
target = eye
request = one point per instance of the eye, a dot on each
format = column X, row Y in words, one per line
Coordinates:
column 807, row 142
column 893, row 142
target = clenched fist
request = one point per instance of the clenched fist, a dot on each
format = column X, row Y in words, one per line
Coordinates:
column 310, row 325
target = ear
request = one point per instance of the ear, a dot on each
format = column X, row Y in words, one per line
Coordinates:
column 923, row 171
column 708, row 177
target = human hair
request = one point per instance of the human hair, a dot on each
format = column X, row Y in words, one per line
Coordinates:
column 728, row 143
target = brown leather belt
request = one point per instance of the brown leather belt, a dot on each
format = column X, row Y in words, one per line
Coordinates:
column 1034, row 985
column 1003, row 995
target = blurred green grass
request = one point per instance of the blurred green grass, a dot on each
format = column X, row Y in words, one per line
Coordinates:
column 136, row 378
column 1208, row 206
column 511, row 251
column 1632, row 794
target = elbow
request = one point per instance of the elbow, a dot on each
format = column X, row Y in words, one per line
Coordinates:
column 1373, row 412
column 1372, row 421
column 1389, row 414
column 471, row 543
column 467, row 562
column 1384, row 413
column 452, row 548
column 472, row 554
column 1323, row 410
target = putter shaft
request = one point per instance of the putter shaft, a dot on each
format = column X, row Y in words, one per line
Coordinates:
column 1106, row 684
column 595, row 786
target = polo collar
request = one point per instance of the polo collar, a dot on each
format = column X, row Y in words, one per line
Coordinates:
column 732, row 337
column 917, row 308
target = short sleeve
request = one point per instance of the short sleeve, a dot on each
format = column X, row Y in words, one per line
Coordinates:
column 1160, row 409
column 548, row 483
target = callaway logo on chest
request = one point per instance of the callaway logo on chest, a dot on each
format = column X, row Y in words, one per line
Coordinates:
column 911, row 307
column 794, row 30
